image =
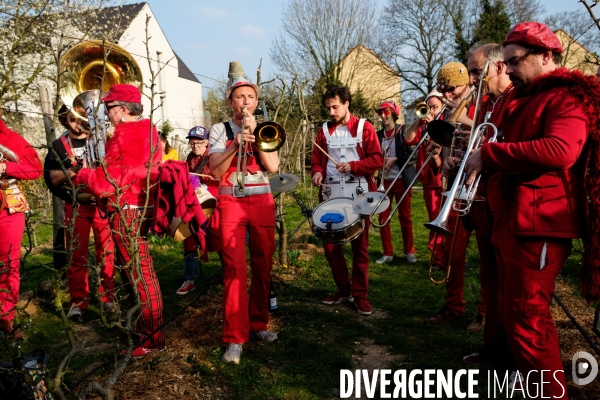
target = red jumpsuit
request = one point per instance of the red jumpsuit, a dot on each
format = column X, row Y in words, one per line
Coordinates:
column 12, row 219
column 254, row 213
column 395, row 193
column 128, row 156
column 88, row 217
column 539, row 208
column 370, row 160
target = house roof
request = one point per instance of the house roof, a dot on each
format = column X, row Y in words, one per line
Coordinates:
column 362, row 47
column 184, row 71
column 107, row 16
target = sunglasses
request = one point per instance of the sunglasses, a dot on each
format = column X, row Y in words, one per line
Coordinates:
column 384, row 113
column 447, row 90
column 107, row 108
column 516, row 60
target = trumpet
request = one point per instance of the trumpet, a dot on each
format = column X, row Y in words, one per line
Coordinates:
column 422, row 110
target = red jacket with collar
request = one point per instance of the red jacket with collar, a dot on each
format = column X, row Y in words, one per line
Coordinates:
column 545, row 130
column 29, row 166
column 371, row 158
column 127, row 160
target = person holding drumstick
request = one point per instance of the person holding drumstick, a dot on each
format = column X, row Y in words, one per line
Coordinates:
column 353, row 142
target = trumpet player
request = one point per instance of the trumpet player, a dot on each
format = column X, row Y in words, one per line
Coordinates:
column 70, row 149
column 395, row 141
column 18, row 161
column 253, row 210
column 453, row 83
column 541, row 165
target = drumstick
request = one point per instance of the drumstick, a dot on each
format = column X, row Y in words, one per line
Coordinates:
column 324, row 152
column 202, row 175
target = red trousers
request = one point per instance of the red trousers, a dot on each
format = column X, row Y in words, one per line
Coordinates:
column 479, row 219
column 527, row 269
column 455, row 285
column 144, row 277
column 257, row 214
column 403, row 216
column 11, row 233
column 433, row 201
column 89, row 217
column 359, row 286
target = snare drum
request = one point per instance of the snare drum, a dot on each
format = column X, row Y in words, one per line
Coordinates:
column 336, row 221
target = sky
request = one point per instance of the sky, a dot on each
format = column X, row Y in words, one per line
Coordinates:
column 208, row 34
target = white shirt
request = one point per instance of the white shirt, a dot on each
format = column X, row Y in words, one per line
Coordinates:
column 217, row 140
column 351, row 152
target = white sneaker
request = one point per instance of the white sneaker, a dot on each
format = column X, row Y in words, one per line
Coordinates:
column 233, row 353
column 75, row 313
column 384, row 259
column 263, row 336
column 411, row 258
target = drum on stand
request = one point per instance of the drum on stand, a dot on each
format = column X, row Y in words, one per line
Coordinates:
column 336, row 221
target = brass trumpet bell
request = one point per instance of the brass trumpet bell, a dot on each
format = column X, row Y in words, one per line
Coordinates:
column 270, row 136
column 83, row 67
column 422, row 110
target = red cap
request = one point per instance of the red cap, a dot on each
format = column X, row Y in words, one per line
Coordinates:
column 391, row 105
column 123, row 92
column 533, row 34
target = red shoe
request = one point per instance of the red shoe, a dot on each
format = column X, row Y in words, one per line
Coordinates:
column 140, row 352
column 338, row 298
column 187, row 287
column 363, row 306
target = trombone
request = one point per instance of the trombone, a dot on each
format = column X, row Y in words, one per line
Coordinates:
column 270, row 136
column 455, row 198
column 409, row 187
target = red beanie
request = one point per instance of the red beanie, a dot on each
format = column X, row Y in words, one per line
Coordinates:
column 123, row 92
column 533, row 34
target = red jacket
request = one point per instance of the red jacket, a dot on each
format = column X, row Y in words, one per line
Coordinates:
column 371, row 158
column 127, row 160
column 29, row 166
column 545, row 130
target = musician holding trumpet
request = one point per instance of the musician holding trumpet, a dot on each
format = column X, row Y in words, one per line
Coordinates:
column 245, row 203
column 395, row 141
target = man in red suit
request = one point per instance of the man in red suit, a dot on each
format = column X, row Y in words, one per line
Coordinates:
column 249, row 210
column 129, row 153
column 18, row 161
column 541, row 168
column 353, row 142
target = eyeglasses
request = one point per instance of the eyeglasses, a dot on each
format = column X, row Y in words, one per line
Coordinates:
column 107, row 108
column 384, row 113
column 198, row 144
column 447, row 90
column 516, row 60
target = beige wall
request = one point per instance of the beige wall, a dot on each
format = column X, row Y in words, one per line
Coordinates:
column 574, row 54
column 363, row 70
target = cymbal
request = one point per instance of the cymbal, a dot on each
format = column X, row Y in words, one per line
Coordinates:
column 441, row 132
column 366, row 203
column 284, row 182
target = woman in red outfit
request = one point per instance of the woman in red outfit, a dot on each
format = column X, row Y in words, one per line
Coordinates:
column 132, row 150
column 18, row 161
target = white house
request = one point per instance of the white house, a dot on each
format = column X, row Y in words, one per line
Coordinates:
column 181, row 103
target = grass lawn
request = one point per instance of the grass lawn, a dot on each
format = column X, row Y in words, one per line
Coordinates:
column 315, row 341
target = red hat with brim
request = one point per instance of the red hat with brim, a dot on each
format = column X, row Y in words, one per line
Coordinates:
column 391, row 105
column 123, row 92
column 533, row 34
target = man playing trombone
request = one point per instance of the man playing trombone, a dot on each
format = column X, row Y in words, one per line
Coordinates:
column 360, row 156
column 541, row 165
column 395, row 142
column 242, row 209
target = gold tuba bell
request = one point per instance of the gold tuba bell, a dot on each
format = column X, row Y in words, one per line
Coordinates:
column 270, row 136
column 83, row 67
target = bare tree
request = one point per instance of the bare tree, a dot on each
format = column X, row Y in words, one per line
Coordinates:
column 317, row 34
column 588, row 7
column 416, row 43
column 523, row 10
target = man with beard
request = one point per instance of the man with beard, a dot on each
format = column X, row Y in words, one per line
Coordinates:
column 541, row 168
column 354, row 143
